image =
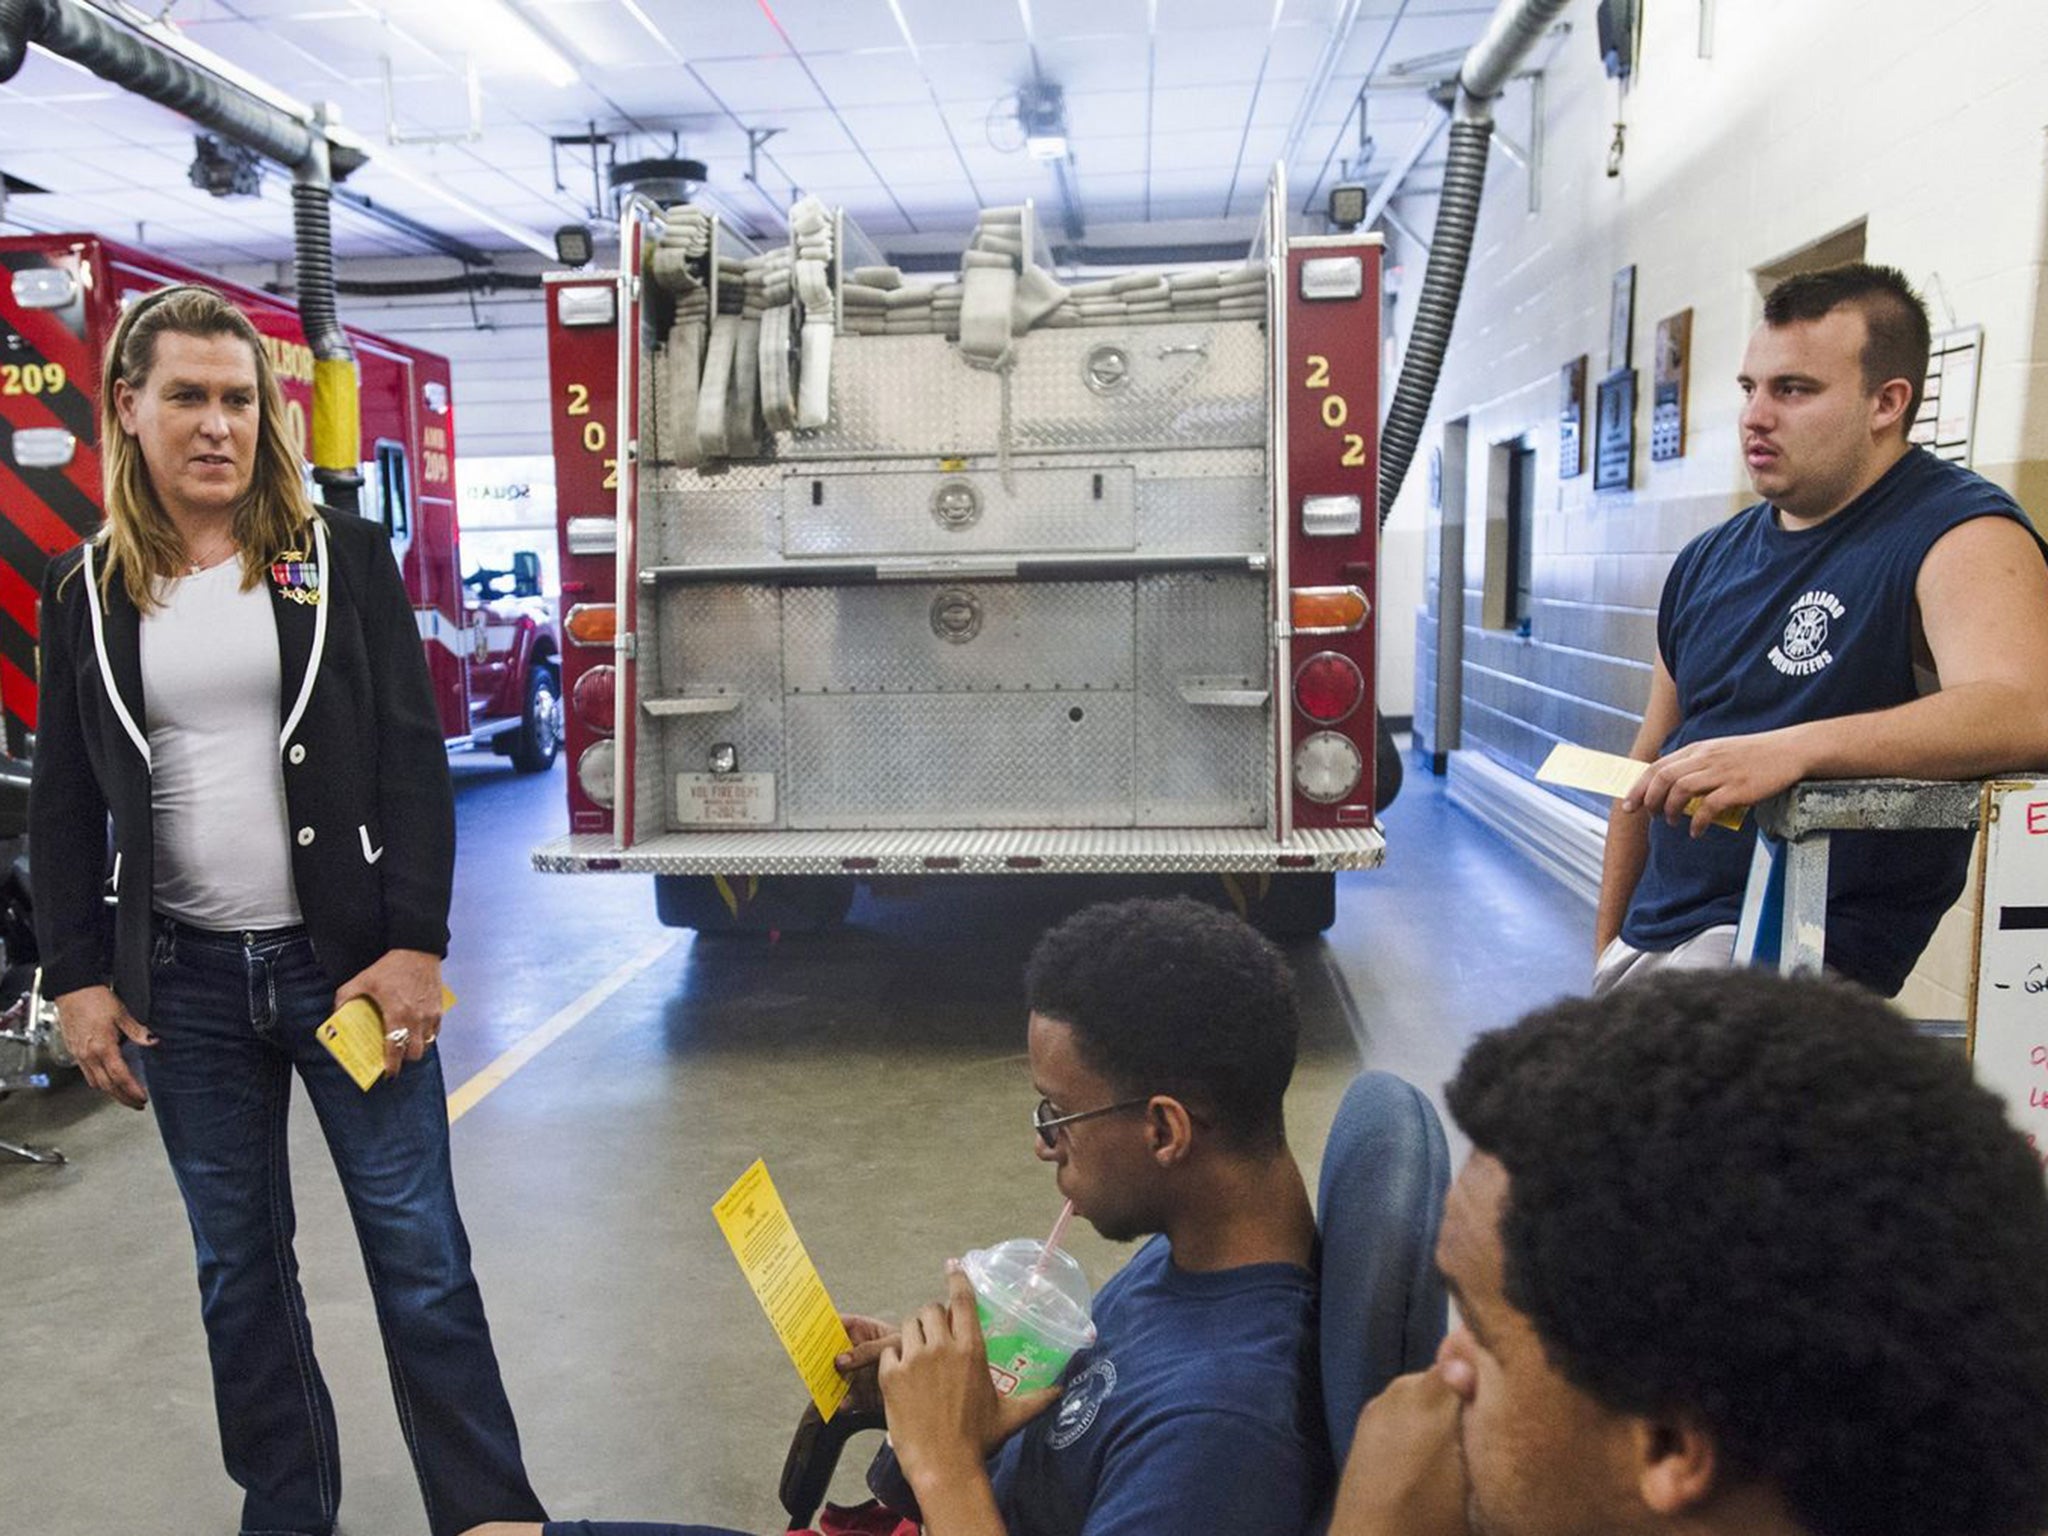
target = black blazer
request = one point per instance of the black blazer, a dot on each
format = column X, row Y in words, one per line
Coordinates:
column 365, row 771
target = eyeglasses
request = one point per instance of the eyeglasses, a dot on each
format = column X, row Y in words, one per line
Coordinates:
column 1049, row 1125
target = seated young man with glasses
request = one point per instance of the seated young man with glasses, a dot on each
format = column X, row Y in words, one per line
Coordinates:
column 1162, row 1039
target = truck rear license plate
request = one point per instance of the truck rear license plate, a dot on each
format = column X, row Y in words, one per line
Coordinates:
column 725, row 799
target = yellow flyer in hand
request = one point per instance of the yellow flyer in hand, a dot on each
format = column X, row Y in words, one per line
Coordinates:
column 354, row 1036
column 785, row 1281
column 1605, row 773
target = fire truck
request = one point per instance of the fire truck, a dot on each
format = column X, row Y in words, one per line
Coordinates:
column 492, row 656
column 867, row 578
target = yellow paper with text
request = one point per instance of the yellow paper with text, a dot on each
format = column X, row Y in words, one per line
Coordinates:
column 1604, row 773
column 785, row 1281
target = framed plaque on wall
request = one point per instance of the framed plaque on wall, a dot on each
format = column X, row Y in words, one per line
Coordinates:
column 1621, row 319
column 1571, row 419
column 1614, row 456
column 1668, row 387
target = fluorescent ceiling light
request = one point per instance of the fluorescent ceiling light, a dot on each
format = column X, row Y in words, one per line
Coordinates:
column 396, row 165
column 514, row 39
column 653, row 31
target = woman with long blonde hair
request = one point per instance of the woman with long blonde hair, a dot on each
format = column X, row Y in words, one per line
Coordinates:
column 235, row 682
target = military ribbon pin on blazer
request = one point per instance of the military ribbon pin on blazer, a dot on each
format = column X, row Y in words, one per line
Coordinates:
column 296, row 577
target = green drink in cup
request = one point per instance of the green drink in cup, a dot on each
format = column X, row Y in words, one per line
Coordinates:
column 1033, row 1300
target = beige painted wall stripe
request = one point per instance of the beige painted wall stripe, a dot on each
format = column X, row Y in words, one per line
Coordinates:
column 480, row 1087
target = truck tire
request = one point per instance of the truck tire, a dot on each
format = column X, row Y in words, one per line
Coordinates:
column 748, row 904
column 1292, row 906
column 1387, row 766
column 540, row 731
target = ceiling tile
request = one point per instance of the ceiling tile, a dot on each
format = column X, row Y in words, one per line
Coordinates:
column 119, row 158
column 714, row 28
column 963, row 21
column 1112, row 154
column 1104, row 64
column 1088, row 18
column 912, row 124
column 872, row 77
column 1181, row 16
column 977, row 72
column 1221, row 56
column 758, row 85
column 835, row 26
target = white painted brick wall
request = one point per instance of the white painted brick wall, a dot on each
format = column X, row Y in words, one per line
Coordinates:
column 1927, row 121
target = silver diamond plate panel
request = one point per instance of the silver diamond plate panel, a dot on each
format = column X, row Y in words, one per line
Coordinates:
column 673, row 481
column 1200, row 384
column 1202, row 764
column 1033, row 637
column 1009, row 760
column 729, row 512
column 1200, row 463
column 711, row 640
column 650, row 815
column 1176, row 850
column 1200, row 513
column 891, row 511
column 712, row 521
column 901, row 395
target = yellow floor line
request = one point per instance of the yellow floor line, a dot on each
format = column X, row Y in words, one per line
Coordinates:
column 476, row 1089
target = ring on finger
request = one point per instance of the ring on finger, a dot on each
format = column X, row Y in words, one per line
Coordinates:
column 399, row 1036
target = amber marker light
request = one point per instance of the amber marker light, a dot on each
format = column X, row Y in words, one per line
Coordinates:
column 1328, row 610
column 593, row 624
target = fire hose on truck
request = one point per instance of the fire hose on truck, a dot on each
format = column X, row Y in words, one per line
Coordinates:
column 986, row 575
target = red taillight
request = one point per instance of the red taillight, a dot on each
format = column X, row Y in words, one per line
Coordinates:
column 1328, row 687
column 594, row 695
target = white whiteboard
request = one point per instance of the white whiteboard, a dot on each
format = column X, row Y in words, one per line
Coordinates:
column 2009, row 1001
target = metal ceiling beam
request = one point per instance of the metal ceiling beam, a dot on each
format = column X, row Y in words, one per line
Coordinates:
column 1390, row 185
column 406, row 224
column 1357, row 105
column 347, row 149
column 1319, row 82
column 1258, row 84
column 932, row 90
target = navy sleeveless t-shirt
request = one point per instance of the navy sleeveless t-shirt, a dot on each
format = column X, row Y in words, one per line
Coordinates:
column 1763, row 627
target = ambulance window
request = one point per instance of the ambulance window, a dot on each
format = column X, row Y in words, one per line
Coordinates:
column 394, row 494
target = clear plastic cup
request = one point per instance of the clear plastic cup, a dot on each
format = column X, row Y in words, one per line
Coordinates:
column 1034, row 1317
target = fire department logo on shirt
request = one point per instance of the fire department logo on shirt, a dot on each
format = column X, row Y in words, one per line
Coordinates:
column 1803, row 650
column 1084, row 1398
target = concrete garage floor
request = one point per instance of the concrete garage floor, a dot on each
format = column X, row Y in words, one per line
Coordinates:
column 879, row 1070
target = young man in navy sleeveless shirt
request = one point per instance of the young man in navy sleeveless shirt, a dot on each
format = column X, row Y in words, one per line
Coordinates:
column 1879, row 613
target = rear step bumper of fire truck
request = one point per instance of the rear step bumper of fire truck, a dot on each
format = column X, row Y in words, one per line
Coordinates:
column 1164, row 851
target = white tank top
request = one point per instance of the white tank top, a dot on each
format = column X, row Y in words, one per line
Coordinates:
column 210, row 685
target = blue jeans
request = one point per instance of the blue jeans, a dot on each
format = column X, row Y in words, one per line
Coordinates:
column 234, row 1015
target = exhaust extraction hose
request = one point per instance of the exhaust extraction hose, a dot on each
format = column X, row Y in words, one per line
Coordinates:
column 1437, row 310
column 1513, row 30
column 136, row 63
column 336, row 448
column 116, row 53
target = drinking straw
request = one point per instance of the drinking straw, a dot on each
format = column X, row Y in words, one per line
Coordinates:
column 1059, row 1230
